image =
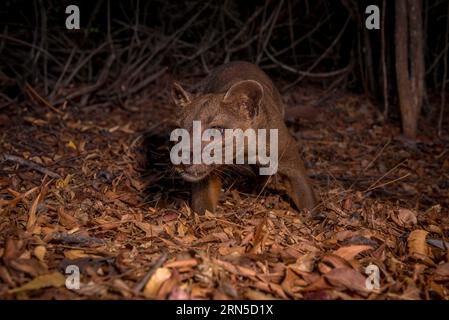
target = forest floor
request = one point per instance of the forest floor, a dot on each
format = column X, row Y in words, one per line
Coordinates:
column 91, row 187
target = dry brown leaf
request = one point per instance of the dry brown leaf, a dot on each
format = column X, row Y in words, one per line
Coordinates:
column 304, row 263
column 235, row 269
column 442, row 271
column 406, row 218
column 32, row 213
column 39, row 252
column 29, row 266
column 78, row 254
column 182, row 229
column 122, row 287
column 411, row 292
column 12, row 249
column 290, row 283
column 332, row 261
column 319, row 284
column 349, row 279
column 168, row 286
column 149, row 229
column 157, row 279
column 439, row 289
column 186, row 263
column 417, row 244
column 54, row 279
column 231, row 251
column 198, row 292
column 6, row 276
column 345, row 234
column 350, row 252
column 92, row 289
column 66, row 219
column 271, row 288
column 215, row 236
column 106, row 224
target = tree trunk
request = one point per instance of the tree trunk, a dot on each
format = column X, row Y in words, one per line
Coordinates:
column 409, row 62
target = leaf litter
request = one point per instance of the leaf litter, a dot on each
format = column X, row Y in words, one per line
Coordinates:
column 96, row 191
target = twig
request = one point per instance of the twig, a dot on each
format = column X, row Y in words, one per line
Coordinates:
column 308, row 73
column 324, row 54
column 373, row 186
column 56, row 86
column 139, row 286
column 388, row 182
column 31, row 164
column 9, row 38
column 100, row 81
column 33, row 92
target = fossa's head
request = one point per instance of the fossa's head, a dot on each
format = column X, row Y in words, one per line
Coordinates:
column 237, row 108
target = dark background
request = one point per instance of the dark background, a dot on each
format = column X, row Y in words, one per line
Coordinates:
column 123, row 46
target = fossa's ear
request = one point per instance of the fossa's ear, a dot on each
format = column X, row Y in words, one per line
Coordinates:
column 247, row 94
column 180, row 96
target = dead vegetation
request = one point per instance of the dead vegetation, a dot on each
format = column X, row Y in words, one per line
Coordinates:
column 90, row 187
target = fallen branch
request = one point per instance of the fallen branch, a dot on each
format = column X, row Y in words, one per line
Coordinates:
column 31, row 164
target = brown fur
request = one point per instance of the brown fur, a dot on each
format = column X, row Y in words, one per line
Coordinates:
column 239, row 95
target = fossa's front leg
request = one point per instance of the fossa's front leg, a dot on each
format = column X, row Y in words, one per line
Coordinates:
column 205, row 194
column 297, row 184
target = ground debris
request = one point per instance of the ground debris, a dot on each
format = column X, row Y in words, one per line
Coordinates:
column 118, row 212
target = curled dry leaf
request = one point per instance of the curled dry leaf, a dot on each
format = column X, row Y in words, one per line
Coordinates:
column 78, row 254
column 30, row 266
column 349, row 279
column 39, row 252
column 185, row 263
column 350, row 252
column 66, row 219
column 168, row 286
column 122, row 287
column 32, row 218
column 231, row 251
column 320, row 283
column 332, row 261
column 199, row 292
column 149, row 229
column 417, row 244
column 157, row 279
column 304, row 263
column 92, row 289
column 292, row 283
column 406, row 218
column 235, row 269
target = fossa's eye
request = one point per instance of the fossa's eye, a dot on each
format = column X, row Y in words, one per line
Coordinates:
column 221, row 129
